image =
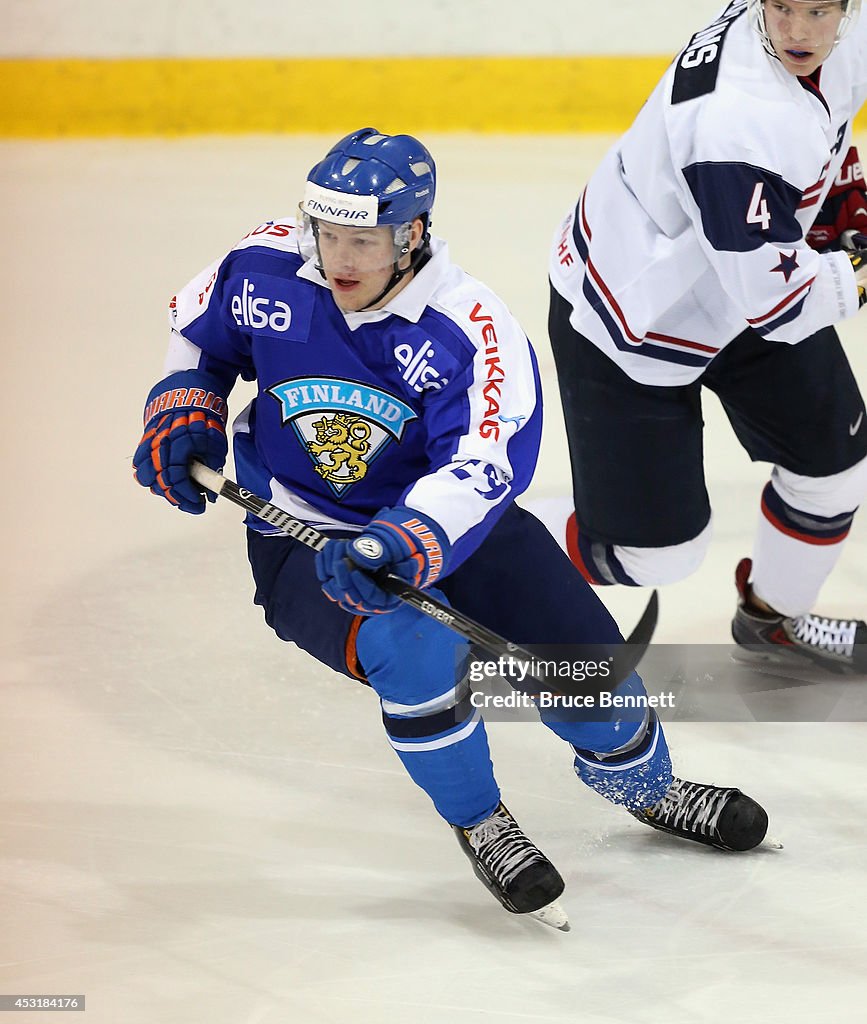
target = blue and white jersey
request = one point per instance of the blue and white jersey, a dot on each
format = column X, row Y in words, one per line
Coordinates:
column 432, row 401
column 693, row 226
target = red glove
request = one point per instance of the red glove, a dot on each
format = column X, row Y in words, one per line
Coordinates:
column 845, row 209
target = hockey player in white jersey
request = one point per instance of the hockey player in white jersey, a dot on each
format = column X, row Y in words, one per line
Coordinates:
column 715, row 246
column 398, row 408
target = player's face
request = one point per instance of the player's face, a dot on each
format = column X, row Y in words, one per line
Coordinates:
column 358, row 262
column 803, row 33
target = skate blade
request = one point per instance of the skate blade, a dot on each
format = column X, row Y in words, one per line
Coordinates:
column 772, row 843
column 554, row 916
column 805, row 667
column 768, row 658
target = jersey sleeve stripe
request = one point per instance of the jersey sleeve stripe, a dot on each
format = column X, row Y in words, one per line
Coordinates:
column 650, row 351
column 782, row 305
column 623, row 336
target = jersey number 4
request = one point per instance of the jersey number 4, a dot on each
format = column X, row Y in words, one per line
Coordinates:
column 758, row 212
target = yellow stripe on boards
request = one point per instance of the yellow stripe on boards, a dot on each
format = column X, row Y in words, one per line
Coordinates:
column 162, row 96
column 96, row 97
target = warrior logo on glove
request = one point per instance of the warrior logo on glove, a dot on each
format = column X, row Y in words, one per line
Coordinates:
column 185, row 419
column 367, row 547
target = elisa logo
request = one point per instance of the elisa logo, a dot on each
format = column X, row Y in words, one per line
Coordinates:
column 417, row 369
column 259, row 311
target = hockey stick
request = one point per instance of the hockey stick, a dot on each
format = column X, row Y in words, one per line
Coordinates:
column 624, row 661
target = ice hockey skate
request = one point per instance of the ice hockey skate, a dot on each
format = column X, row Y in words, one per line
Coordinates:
column 838, row 645
column 512, row 867
column 724, row 818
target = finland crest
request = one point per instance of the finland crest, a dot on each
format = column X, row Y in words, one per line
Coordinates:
column 342, row 425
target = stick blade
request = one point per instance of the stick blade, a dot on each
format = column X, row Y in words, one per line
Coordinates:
column 628, row 656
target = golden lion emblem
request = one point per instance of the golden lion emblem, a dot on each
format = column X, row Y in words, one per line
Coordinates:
column 341, row 443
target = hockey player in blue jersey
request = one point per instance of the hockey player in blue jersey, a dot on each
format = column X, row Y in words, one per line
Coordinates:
column 705, row 251
column 398, row 408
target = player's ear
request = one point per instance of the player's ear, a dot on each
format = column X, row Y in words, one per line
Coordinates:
column 415, row 233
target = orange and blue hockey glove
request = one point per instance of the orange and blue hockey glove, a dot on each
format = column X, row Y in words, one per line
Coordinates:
column 185, row 419
column 397, row 540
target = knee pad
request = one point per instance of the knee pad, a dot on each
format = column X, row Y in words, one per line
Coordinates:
column 418, row 668
column 604, row 564
column 410, row 659
column 822, row 495
column 650, row 567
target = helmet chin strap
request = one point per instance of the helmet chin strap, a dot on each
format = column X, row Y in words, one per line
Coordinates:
column 419, row 257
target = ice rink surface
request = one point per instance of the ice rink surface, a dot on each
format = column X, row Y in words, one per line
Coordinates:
column 200, row 825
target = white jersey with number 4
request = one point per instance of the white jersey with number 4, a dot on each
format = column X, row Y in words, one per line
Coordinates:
column 692, row 228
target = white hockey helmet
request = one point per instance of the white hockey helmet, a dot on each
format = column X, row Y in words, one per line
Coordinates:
column 756, row 8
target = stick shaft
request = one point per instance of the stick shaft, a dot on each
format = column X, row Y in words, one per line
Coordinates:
column 625, row 659
column 426, row 603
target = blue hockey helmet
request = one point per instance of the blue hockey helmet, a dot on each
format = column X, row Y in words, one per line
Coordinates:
column 371, row 180
column 368, row 179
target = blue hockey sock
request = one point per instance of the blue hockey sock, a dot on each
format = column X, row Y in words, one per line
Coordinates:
column 413, row 663
column 623, row 754
column 446, row 754
column 636, row 774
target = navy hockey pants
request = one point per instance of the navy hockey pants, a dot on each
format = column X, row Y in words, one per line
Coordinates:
column 518, row 583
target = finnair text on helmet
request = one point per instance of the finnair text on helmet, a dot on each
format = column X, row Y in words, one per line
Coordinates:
column 314, row 207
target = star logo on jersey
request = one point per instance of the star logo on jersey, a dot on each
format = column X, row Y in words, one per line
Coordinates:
column 788, row 265
column 342, row 425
